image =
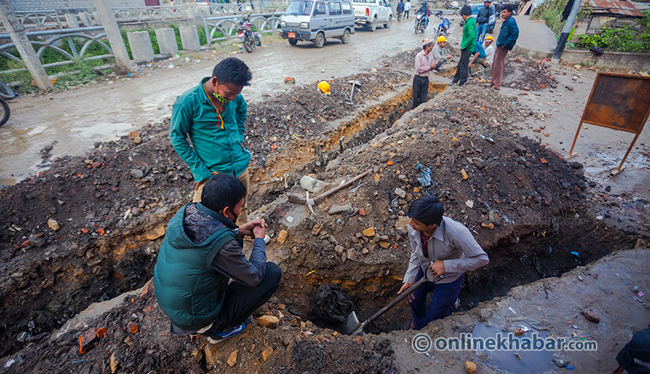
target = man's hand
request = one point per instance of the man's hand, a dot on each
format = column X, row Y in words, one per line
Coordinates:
column 437, row 268
column 259, row 231
column 470, row 65
column 247, row 228
column 405, row 287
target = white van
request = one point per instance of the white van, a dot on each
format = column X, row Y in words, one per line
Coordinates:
column 317, row 21
column 371, row 13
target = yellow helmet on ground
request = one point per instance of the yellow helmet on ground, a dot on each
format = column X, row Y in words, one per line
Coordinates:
column 325, row 87
column 489, row 37
column 441, row 39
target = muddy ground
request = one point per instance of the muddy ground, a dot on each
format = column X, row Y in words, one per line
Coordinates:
column 531, row 210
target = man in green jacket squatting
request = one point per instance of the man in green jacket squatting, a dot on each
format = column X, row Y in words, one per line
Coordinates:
column 213, row 115
column 201, row 252
column 466, row 46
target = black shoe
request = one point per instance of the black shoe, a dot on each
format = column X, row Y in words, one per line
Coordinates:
column 461, row 83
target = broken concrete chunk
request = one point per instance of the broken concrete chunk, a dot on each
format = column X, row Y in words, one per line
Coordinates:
column 340, row 209
column 400, row 192
column 266, row 354
column 402, row 224
column 268, row 321
column 313, row 185
column 592, row 317
column 369, row 232
column 232, row 360
column 53, row 224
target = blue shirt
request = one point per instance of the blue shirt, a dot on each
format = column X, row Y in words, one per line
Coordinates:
column 478, row 48
column 508, row 34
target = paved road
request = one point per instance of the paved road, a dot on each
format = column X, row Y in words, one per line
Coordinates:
column 74, row 120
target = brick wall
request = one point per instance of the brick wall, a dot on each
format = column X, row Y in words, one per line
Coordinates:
column 67, row 5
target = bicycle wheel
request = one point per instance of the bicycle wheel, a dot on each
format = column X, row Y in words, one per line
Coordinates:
column 4, row 111
column 6, row 91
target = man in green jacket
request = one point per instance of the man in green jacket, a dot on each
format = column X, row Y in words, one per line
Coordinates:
column 213, row 115
column 466, row 46
column 201, row 253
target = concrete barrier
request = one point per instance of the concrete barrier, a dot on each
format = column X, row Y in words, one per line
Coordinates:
column 72, row 21
column 85, row 19
column 140, row 46
column 190, row 38
column 611, row 60
column 167, row 41
column 98, row 20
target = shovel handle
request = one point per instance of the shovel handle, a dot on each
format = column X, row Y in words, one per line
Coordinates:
column 399, row 298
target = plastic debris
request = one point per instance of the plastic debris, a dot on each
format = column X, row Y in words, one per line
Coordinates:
column 512, row 310
column 425, row 175
column 457, row 304
column 289, row 219
column 569, row 367
column 129, row 75
column 575, row 253
column 641, row 294
column 488, row 139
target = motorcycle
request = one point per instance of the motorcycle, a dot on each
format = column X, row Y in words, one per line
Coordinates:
column 6, row 93
column 245, row 33
column 443, row 27
column 420, row 23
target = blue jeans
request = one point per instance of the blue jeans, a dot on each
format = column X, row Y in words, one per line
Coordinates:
column 444, row 296
column 480, row 32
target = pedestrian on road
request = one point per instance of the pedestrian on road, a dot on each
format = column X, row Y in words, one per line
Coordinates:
column 466, row 46
column 400, row 9
column 424, row 63
column 489, row 49
column 439, row 53
column 505, row 42
column 442, row 250
column 407, row 7
column 213, row 115
column 479, row 57
column 201, row 253
column 483, row 20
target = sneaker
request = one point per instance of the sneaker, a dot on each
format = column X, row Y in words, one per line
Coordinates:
column 221, row 336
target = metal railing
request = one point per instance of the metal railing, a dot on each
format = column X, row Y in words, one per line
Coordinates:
column 151, row 13
column 227, row 25
column 39, row 18
column 52, row 38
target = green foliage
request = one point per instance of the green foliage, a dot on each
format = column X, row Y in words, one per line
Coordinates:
column 85, row 75
column 551, row 12
column 623, row 39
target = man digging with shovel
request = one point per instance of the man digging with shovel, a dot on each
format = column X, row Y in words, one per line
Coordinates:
column 445, row 249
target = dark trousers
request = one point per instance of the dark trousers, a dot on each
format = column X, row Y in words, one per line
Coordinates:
column 444, row 296
column 420, row 90
column 462, row 70
column 406, row 14
column 241, row 300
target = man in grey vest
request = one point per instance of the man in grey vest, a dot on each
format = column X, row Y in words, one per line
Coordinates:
column 201, row 253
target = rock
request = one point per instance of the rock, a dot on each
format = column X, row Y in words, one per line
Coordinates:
column 266, row 354
column 470, row 367
column 488, row 226
column 478, row 162
column 369, row 232
column 383, row 244
column 155, row 233
column 362, row 212
column 559, row 362
column 270, row 322
column 53, row 224
column 137, row 173
column 196, row 369
column 400, row 192
column 608, row 188
column 339, row 209
column 36, row 241
column 365, row 251
column 137, row 140
column 289, row 80
column 592, row 184
column 136, row 211
column 520, row 149
column 402, row 224
column 312, row 185
column 640, row 244
column 463, row 173
column 316, row 229
column 115, row 363
column 282, row 236
column 147, row 290
column 592, row 317
column 97, row 164
column 232, row 360
column 339, row 249
column 403, row 178
column 576, row 165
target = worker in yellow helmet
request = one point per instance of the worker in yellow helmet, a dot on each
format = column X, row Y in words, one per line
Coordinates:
column 439, row 54
column 324, row 87
column 489, row 49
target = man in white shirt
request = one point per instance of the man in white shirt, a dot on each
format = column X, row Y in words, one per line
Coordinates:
column 407, row 7
column 489, row 49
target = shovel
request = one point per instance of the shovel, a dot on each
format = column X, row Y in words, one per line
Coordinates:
column 352, row 326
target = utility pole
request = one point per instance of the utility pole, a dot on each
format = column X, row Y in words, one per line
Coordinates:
column 568, row 25
column 24, row 47
column 105, row 13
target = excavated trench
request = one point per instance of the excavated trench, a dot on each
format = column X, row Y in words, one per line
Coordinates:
column 125, row 261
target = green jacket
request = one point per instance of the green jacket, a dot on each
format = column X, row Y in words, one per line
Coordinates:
column 213, row 148
column 188, row 289
column 469, row 34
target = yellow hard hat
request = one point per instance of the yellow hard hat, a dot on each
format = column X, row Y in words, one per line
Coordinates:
column 489, row 37
column 441, row 39
column 325, row 87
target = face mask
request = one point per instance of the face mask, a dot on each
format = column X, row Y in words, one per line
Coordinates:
column 221, row 99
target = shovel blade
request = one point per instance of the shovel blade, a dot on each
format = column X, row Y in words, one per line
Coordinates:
column 352, row 324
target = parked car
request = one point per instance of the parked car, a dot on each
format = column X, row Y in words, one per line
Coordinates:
column 370, row 13
column 317, row 21
column 493, row 18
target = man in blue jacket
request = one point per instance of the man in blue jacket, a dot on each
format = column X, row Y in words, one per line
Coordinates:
column 483, row 20
column 505, row 42
column 201, row 253
column 213, row 115
column 400, row 9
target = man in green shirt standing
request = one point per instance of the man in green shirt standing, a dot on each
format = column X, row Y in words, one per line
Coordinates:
column 466, row 46
column 213, row 115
